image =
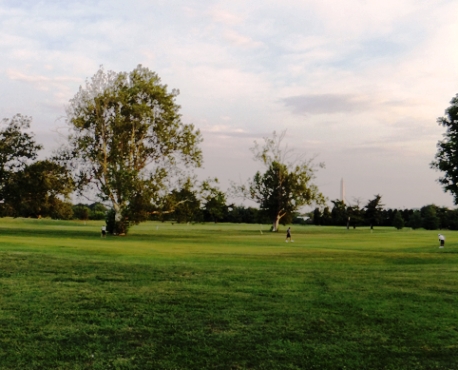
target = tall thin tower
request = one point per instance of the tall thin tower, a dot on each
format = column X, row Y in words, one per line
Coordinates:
column 342, row 190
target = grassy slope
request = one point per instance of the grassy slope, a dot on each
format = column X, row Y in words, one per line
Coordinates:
column 226, row 297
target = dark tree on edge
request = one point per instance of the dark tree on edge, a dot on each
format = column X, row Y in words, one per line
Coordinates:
column 446, row 159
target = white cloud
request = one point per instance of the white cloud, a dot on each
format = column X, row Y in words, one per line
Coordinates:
column 225, row 17
column 241, row 40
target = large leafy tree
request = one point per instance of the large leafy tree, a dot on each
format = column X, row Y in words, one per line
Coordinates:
column 127, row 142
column 286, row 185
column 446, row 159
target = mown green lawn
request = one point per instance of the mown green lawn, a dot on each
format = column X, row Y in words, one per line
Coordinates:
column 225, row 297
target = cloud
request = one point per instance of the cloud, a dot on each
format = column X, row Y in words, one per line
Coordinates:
column 326, row 103
column 241, row 40
column 225, row 17
column 39, row 81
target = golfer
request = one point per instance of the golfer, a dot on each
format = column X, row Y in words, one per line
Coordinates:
column 441, row 240
column 288, row 235
column 103, row 232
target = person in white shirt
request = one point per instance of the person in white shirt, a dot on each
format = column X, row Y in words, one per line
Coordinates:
column 441, row 240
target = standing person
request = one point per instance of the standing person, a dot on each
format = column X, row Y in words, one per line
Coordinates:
column 288, row 235
column 441, row 240
column 103, row 232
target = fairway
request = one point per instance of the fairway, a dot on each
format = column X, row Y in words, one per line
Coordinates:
column 225, row 296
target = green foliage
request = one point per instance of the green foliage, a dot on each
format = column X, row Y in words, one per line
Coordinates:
column 95, row 211
column 317, row 216
column 430, row 221
column 285, row 186
column 17, row 148
column 373, row 211
column 326, row 217
column 127, row 141
column 398, row 221
column 415, row 220
column 356, row 215
column 446, row 159
column 81, row 212
column 242, row 214
column 187, row 208
column 214, row 200
column 41, row 189
column 339, row 213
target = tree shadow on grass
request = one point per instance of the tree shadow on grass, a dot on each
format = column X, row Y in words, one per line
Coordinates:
column 48, row 233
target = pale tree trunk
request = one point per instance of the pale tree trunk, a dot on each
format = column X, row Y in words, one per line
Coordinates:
column 276, row 222
column 120, row 227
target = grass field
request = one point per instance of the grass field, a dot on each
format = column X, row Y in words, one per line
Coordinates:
column 225, row 297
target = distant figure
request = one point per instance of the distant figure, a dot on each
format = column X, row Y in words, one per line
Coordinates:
column 288, row 235
column 441, row 240
column 104, row 232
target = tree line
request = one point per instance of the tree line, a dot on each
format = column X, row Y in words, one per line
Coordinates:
column 128, row 148
column 430, row 217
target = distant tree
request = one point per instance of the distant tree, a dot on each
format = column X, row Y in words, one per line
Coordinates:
column 406, row 214
column 81, row 212
column 387, row 216
column 453, row 219
column 398, row 221
column 355, row 215
column 446, row 159
column 40, row 190
column 326, row 217
column 415, row 220
column 183, row 204
column 317, row 216
column 17, row 149
column 188, row 210
column 444, row 216
column 98, row 211
column 62, row 211
column 242, row 214
column 339, row 213
column 127, row 142
column 373, row 211
column 213, row 199
column 430, row 219
column 285, row 186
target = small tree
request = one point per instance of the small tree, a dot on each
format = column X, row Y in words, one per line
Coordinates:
column 286, row 185
column 326, row 217
column 317, row 216
column 213, row 199
column 415, row 220
column 339, row 213
column 81, row 212
column 430, row 219
column 398, row 221
column 373, row 211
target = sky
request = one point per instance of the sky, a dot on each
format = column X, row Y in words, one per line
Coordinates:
column 356, row 84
